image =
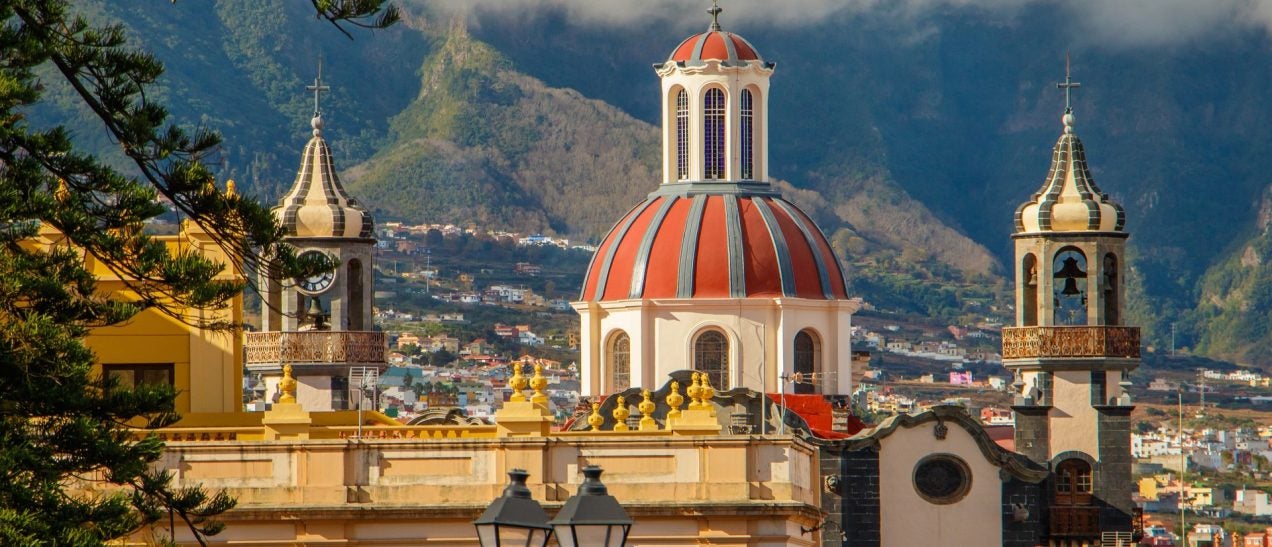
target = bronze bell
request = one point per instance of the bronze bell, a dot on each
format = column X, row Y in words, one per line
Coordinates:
column 1070, row 273
column 316, row 313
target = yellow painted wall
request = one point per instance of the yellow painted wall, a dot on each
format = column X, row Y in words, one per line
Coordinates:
column 207, row 365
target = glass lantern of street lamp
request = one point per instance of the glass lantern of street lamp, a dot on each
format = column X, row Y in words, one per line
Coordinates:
column 592, row 518
column 514, row 519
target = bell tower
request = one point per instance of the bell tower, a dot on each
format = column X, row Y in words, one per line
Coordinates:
column 1070, row 351
column 321, row 325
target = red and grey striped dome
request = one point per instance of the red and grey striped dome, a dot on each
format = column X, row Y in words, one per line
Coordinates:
column 714, row 45
column 714, row 245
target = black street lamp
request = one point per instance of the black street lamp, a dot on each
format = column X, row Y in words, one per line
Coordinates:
column 514, row 519
column 592, row 518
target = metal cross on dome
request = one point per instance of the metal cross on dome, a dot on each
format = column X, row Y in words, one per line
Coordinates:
column 318, row 87
column 1068, row 86
column 715, row 10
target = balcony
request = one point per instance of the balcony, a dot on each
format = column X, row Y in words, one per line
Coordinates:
column 1065, row 342
column 1075, row 522
column 314, row 347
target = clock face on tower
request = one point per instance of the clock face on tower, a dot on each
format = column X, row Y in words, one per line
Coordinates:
column 318, row 283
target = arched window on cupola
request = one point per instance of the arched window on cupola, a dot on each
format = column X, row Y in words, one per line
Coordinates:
column 1029, row 290
column 748, row 134
column 682, row 135
column 713, row 134
column 807, row 361
column 1111, row 315
column 711, row 355
column 1069, row 271
column 620, row 361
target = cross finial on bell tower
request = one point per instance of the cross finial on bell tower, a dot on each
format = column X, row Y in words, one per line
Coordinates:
column 1068, row 86
column 715, row 10
column 318, row 88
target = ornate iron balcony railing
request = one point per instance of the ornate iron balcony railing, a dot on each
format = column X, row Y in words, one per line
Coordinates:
column 315, row 347
column 1061, row 342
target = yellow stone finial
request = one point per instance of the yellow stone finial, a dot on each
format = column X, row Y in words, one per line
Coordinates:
column 230, row 190
column 595, row 419
column 288, row 386
column 674, row 400
column 646, row 408
column 538, row 383
column 620, row 414
column 707, row 394
column 695, row 391
column 518, row 384
column 62, row 192
column 209, row 187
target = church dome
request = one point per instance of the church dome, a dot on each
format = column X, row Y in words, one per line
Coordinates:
column 714, row 244
column 1069, row 200
column 317, row 205
column 714, row 45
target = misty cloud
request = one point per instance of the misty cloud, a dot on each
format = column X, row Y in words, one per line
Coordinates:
column 1113, row 23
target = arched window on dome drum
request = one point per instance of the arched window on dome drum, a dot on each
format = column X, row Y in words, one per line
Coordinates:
column 682, row 135
column 711, row 355
column 807, row 362
column 620, row 361
column 1029, row 290
column 713, row 134
column 748, row 135
column 1111, row 315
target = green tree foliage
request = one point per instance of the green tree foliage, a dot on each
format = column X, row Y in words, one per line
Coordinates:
column 63, row 430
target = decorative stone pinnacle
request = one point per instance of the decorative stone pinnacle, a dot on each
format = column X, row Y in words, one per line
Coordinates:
column 595, row 419
column 674, row 400
column 518, row 384
column 62, row 192
column 538, row 383
column 230, row 190
column 695, row 391
column 288, row 386
column 707, row 394
column 621, row 414
column 646, row 408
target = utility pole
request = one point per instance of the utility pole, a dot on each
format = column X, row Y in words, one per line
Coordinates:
column 1172, row 339
column 1183, row 471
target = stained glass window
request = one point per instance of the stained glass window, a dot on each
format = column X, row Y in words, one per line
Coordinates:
column 711, row 355
column 748, row 135
column 682, row 135
column 805, row 362
column 713, row 134
column 620, row 358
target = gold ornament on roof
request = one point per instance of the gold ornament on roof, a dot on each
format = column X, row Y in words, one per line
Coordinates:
column 620, row 414
column 595, row 419
column 288, row 386
column 62, row 192
column 230, row 190
column 518, row 384
column 694, row 391
column 538, row 383
column 646, row 408
column 674, row 400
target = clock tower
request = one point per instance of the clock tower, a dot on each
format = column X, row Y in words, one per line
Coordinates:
column 321, row 325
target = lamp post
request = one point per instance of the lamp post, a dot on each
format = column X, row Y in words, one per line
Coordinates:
column 592, row 518
column 514, row 519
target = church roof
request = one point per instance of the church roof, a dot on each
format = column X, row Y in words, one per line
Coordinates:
column 715, row 240
column 317, row 205
column 714, row 45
